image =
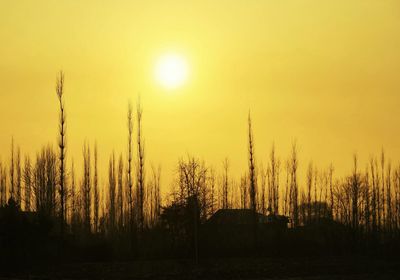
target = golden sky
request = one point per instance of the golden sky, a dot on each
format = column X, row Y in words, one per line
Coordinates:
column 323, row 72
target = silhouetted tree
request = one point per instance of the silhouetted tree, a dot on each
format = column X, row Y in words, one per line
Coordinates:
column 294, row 192
column 332, row 201
column 18, row 179
column 12, row 169
column 389, row 212
column 264, row 174
column 355, row 193
column 374, row 197
column 86, row 188
column 155, row 198
column 225, row 184
column 45, row 181
column 112, row 194
column 212, row 190
column 3, row 185
column 62, row 146
column 96, row 193
column 244, row 193
column 274, row 180
column 252, row 172
column 286, row 206
column 253, row 183
column 309, row 190
column 27, row 183
column 140, row 168
column 75, row 201
column 129, row 169
column 120, row 193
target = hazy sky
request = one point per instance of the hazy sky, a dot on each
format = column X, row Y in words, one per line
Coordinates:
column 323, row 72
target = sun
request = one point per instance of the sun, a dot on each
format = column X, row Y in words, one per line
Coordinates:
column 171, row 71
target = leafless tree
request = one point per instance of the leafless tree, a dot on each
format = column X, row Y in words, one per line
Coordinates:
column 374, row 204
column 62, row 146
column 294, row 186
column 75, row 201
column 27, row 183
column 18, row 179
column 263, row 174
column 244, row 185
column 12, row 171
column 252, row 171
column 286, row 207
column 44, row 182
column 332, row 201
column 120, row 193
column 155, row 199
column 140, row 168
column 212, row 186
column 273, row 181
column 86, row 188
column 129, row 168
column 389, row 212
column 96, row 192
column 112, row 194
column 225, row 184
column 383, row 182
column 3, row 185
column 309, row 190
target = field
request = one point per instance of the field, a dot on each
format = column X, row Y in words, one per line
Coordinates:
column 232, row 268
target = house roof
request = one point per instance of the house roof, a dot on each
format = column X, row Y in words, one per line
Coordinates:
column 242, row 217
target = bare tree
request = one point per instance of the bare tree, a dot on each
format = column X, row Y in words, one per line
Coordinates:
column 389, row 219
column 244, row 191
column 18, row 179
column 252, row 172
column 225, row 184
column 367, row 202
column 253, row 182
column 129, row 168
column 309, row 190
column 12, row 171
column 156, row 196
column 62, row 146
column 74, row 200
column 212, row 185
column 86, row 188
column 374, row 204
column 44, row 182
column 294, row 187
column 96, row 194
column 383, row 187
column 264, row 174
column 120, row 193
column 332, row 201
column 3, row 185
column 112, row 194
column 355, row 183
column 140, row 168
column 27, row 183
column 273, row 181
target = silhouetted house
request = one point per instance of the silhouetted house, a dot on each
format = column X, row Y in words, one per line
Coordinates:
column 233, row 231
column 25, row 231
column 243, row 217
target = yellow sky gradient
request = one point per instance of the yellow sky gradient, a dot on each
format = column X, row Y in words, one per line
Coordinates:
column 323, row 72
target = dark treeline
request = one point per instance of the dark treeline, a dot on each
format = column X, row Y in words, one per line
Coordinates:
column 49, row 209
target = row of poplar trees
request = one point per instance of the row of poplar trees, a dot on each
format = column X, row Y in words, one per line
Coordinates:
column 126, row 203
column 367, row 200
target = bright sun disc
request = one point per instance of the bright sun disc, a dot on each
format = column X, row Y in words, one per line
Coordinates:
column 171, row 71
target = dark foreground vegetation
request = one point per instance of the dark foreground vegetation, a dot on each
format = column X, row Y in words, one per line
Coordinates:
column 274, row 224
column 217, row 268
